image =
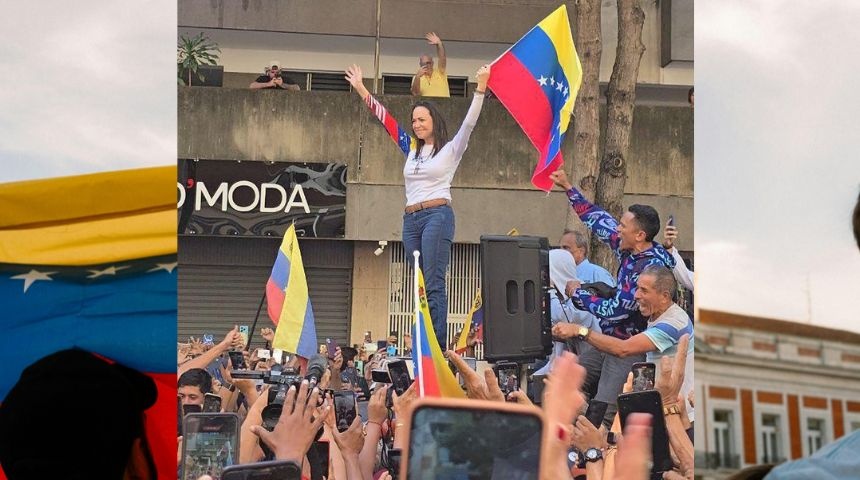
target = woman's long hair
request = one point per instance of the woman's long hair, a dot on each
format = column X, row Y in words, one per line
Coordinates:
column 440, row 130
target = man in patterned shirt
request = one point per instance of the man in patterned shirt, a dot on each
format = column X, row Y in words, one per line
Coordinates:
column 632, row 240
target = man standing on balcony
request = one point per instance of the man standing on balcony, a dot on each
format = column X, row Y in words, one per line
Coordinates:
column 431, row 81
column 274, row 79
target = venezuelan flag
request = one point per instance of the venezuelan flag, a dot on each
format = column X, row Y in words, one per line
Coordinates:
column 90, row 262
column 537, row 80
column 288, row 303
column 474, row 320
column 432, row 374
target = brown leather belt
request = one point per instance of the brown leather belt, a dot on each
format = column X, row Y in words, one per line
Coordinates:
column 436, row 202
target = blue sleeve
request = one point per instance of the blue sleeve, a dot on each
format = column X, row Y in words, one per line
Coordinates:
column 595, row 218
column 604, row 276
column 661, row 339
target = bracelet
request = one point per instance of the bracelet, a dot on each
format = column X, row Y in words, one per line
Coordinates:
column 375, row 423
column 672, row 409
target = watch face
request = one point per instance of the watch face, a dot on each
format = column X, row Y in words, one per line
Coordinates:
column 591, row 454
column 573, row 456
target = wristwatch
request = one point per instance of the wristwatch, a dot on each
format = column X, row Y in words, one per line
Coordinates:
column 593, row 454
column 582, row 332
column 671, row 410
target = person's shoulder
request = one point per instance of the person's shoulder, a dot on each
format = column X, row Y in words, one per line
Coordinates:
column 262, row 79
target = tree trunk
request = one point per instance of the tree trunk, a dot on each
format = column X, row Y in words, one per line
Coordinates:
column 586, row 124
column 620, row 100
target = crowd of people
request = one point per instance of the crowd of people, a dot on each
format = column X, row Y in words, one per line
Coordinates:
column 613, row 323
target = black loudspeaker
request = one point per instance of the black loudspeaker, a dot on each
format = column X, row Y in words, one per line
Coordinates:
column 515, row 277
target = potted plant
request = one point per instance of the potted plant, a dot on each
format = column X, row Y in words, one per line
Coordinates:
column 191, row 53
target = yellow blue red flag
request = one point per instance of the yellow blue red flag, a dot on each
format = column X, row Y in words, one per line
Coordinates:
column 89, row 262
column 289, row 305
column 537, row 80
column 432, row 374
column 475, row 321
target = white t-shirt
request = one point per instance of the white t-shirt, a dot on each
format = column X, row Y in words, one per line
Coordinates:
column 429, row 178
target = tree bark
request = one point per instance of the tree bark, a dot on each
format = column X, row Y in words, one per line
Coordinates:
column 620, row 101
column 586, row 124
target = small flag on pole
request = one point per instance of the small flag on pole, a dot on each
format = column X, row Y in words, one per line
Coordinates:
column 432, row 374
column 288, row 302
column 475, row 321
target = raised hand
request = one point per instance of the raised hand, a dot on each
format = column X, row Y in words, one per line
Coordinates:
column 483, row 76
column 268, row 334
column 433, row 39
column 672, row 373
column 477, row 388
column 669, row 236
column 559, row 177
column 297, row 427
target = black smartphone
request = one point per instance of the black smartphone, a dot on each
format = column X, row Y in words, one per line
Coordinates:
column 649, row 401
column 345, row 409
column 211, row 403
column 643, row 376
column 331, row 347
column 595, row 412
column 399, row 373
column 318, row 457
column 279, row 469
column 508, row 375
column 191, row 408
column 210, row 444
column 671, row 221
column 238, row 360
column 380, row 376
column 179, row 415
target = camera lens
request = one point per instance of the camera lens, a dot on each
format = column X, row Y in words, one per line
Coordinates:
column 271, row 414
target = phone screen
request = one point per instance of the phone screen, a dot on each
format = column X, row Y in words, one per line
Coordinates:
column 380, row 376
column 508, row 375
column 238, row 360
column 331, row 347
column 344, row 409
column 671, row 221
column 211, row 403
column 643, row 376
column 280, row 469
column 399, row 373
column 210, row 444
column 649, row 401
column 245, row 332
column 191, row 408
column 476, row 443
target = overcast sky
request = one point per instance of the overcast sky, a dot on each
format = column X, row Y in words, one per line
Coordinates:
column 86, row 87
column 777, row 167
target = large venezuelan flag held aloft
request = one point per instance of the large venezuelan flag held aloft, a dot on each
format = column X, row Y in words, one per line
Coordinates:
column 288, row 302
column 537, row 80
column 432, row 374
column 89, row 262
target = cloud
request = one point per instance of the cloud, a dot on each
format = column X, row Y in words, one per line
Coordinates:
column 93, row 94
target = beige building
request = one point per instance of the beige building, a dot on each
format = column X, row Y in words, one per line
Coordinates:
column 770, row 390
column 223, row 272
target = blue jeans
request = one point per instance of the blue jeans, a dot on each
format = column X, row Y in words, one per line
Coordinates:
column 431, row 232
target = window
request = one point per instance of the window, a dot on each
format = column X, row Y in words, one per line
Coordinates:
column 771, row 431
column 723, row 445
column 319, row 81
column 814, row 435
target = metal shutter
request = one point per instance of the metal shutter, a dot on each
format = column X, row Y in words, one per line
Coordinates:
column 215, row 292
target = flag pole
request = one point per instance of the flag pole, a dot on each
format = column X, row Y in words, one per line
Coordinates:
column 418, row 352
column 256, row 317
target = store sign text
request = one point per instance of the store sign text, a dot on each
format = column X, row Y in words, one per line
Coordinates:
column 226, row 194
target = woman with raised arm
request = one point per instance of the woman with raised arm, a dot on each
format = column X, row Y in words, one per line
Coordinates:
column 431, row 160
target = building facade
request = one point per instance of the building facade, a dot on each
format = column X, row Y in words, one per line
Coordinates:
column 769, row 390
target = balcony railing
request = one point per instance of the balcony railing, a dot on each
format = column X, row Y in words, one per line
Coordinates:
column 715, row 461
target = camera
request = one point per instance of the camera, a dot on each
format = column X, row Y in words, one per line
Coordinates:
column 283, row 377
